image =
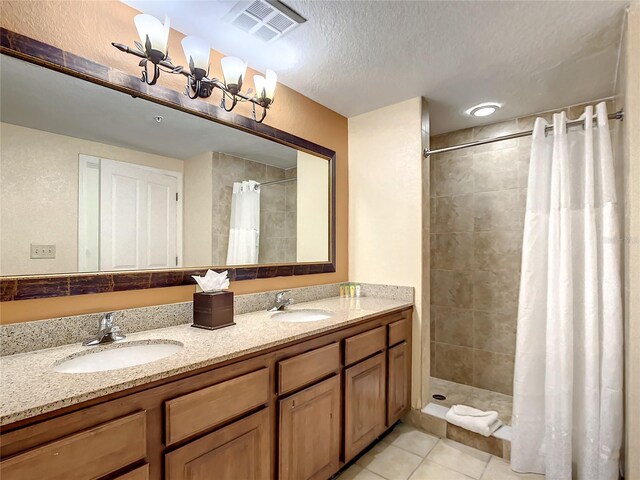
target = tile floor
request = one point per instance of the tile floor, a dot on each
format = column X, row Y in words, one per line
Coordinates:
column 411, row 454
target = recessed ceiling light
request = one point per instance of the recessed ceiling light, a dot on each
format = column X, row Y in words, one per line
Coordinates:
column 483, row 110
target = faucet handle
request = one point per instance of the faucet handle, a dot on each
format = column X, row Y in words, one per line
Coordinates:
column 107, row 320
column 280, row 295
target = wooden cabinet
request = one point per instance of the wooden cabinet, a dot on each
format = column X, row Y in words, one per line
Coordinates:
column 399, row 382
column 365, row 404
column 310, row 432
column 238, row 451
column 293, row 412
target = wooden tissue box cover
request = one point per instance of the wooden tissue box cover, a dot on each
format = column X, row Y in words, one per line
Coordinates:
column 212, row 310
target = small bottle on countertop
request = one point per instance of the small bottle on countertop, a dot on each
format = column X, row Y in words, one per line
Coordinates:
column 342, row 290
column 358, row 289
column 352, row 289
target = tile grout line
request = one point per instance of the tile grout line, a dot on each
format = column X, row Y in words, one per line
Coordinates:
column 448, row 468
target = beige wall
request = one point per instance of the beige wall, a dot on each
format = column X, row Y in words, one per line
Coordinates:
column 312, row 208
column 56, row 23
column 39, row 194
column 385, row 207
column 627, row 146
column 198, row 200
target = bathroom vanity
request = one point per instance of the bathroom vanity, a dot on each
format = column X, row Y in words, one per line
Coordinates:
column 263, row 399
column 298, row 410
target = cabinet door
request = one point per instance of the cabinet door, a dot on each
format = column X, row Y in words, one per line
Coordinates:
column 365, row 403
column 399, row 382
column 140, row 473
column 310, row 432
column 238, row 451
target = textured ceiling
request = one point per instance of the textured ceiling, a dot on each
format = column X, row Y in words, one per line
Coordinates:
column 356, row 56
column 69, row 106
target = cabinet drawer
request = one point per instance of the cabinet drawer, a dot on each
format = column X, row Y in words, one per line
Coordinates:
column 303, row 369
column 399, row 331
column 112, row 445
column 365, row 344
column 206, row 408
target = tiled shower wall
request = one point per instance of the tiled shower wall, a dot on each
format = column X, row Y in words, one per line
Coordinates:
column 277, row 208
column 478, row 198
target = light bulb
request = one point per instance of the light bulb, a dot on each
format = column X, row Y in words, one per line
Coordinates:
column 265, row 87
column 157, row 33
column 233, row 70
column 197, row 52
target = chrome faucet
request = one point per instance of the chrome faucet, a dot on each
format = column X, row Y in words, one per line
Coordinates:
column 109, row 332
column 280, row 303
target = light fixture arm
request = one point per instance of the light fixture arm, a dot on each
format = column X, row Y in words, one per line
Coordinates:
column 196, row 87
column 264, row 113
column 223, row 102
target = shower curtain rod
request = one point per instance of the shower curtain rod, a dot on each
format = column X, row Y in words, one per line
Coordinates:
column 619, row 115
column 278, row 181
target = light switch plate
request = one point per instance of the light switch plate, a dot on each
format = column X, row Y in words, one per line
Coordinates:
column 43, row 251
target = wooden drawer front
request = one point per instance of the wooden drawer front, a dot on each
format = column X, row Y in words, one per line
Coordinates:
column 90, row 453
column 140, row 473
column 399, row 331
column 363, row 345
column 239, row 451
column 303, row 369
column 206, row 408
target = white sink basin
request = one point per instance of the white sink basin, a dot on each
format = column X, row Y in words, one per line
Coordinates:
column 117, row 356
column 306, row 315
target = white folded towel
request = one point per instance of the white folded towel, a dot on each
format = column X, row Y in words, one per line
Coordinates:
column 478, row 421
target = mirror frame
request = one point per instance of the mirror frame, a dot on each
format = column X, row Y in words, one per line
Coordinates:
column 24, row 287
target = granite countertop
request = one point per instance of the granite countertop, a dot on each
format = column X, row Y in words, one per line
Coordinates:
column 30, row 387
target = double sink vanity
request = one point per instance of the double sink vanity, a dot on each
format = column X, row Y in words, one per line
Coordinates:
column 294, row 394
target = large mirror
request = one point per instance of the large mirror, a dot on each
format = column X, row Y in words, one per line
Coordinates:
column 93, row 179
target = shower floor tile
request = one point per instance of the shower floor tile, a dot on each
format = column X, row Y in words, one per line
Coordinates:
column 457, row 393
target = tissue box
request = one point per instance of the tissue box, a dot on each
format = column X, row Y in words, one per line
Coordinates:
column 212, row 310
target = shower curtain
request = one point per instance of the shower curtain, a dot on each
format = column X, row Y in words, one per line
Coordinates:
column 567, row 405
column 244, row 229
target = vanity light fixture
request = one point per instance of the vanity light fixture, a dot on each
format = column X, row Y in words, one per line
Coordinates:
column 154, row 37
column 484, row 109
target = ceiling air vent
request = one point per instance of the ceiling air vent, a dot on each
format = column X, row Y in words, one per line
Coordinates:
column 267, row 20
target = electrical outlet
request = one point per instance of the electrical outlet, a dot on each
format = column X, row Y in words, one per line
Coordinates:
column 43, row 251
